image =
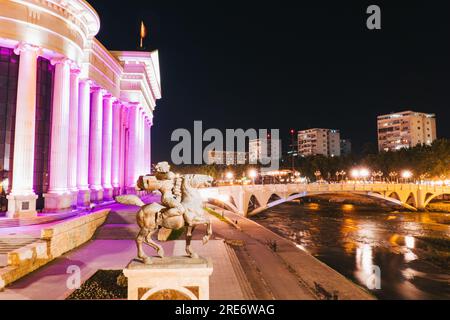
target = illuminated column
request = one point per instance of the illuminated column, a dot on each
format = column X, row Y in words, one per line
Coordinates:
column 132, row 152
column 150, row 125
column 141, row 152
column 58, row 196
column 73, row 135
column 107, row 147
column 84, row 115
column 124, row 133
column 147, row 165
column 95, row 146
column 116, row 133
column 22, row 200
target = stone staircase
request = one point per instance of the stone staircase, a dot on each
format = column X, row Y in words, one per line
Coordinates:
column 11, row 244
column 40, row 219
column 242, row 278
column 21, row 256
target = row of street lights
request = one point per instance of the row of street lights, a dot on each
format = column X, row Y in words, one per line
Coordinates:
column 365, row 174
column 357, row 174
column 252, row 174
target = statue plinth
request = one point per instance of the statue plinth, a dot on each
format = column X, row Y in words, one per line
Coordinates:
column 173, row 278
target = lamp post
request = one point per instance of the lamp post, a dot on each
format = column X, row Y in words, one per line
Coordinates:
column 292, row 149
column 252, row 175
column 317, row 174
column 407, row 175
column 393, row 176
column 230, row 177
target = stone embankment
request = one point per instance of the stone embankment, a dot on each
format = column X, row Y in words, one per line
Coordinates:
column 54, row 242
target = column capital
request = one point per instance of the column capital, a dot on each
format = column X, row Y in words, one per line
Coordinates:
column 86, row 81
column 62, row 60
column 107, row 96
column 23, row 46
column 75, row 70
column 95, row 88
column 134, row 105
column 117, row 103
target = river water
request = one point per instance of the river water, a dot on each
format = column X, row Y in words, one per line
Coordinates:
column 394, row 254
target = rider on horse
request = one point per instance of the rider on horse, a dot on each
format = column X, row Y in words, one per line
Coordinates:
column 170, row 188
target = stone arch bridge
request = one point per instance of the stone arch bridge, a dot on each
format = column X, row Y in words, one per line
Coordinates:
column 413, row 197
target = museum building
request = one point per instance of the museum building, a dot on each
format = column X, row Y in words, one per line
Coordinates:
column 75, row 118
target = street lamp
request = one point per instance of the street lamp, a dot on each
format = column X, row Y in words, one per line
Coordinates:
column 361, row 174
column 376, row 175
column 252, row 175
column 393, row 175
column 364, row 173
column 355, row 174
column 317, row 174
column 229, row 176
column 407, row 175
column 292, row 132
column 340, row 174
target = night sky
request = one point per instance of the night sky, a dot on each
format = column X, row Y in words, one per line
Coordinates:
column 285, row 64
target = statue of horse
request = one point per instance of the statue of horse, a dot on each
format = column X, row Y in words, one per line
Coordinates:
column 150, row 218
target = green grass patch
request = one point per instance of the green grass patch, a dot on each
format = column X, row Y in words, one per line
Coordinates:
column 216, row 214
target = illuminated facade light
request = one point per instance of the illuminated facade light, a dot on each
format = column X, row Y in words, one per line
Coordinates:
column 99, row 107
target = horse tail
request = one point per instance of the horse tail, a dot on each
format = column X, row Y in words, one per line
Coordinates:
column 131, row 200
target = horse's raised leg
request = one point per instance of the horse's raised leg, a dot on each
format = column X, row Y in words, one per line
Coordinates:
column 190, row 253
column 139, row 242
column 208, row 235
column 154, row 245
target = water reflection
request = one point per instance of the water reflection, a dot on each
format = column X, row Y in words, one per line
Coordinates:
column 362, row 244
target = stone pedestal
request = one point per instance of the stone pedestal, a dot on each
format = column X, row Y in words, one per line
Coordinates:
column 57, row 202
column 21, row 206
column 108, row 194
column 96, row 196
column 174, row 278
column 117, row 191
column 84, row 198
column 74, row 195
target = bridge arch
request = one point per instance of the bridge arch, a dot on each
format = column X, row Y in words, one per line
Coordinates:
column 253, row 204
column 430, row 197
column 394, row 195
column 255, row 199
column 294, row 196
column 411, row 200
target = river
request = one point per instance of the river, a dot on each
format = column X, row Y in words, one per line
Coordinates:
column 410, row 251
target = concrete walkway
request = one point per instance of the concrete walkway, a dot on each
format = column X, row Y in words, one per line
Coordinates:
column 112, row 248
column 287, row 273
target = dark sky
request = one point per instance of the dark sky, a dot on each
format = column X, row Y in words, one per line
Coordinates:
column 288, row 64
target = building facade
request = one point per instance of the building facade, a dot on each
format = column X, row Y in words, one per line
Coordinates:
column 326, row 142
column 346, row 147
column 405, row 130
column 75, row 118
column 229, row 158
column 263, row 150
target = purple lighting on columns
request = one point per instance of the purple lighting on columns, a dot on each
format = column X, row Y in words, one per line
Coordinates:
column 115, row 161
column 60, row 128
column 141, row 153
column 83, row 143
column 146, row 146
column 106, row 146
column 95, row 143
column 73, row 132
column 133, row 144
